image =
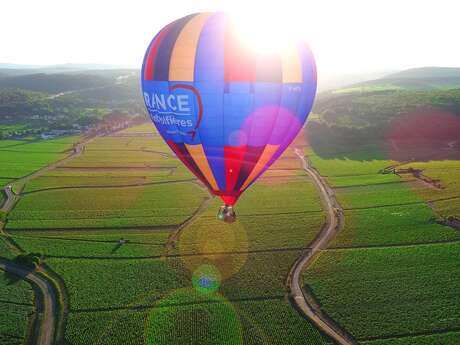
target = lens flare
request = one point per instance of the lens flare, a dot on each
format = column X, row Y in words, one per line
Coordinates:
column 206, row 279
column 187, row 316
column 425, row 134
column 210, row 245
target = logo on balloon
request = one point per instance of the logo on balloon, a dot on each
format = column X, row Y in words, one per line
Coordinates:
column 174, row 108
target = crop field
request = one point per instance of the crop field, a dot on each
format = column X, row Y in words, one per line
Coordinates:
column 445, row 200
column 367, row 161
column 20, row 158
column 115, row 159
column 388, row 275
column 363, row 180
column 2, row 198
column 116, row 278
column 221, row 322
column 392, row 226
column 447, row 338
column 104, row 222
column 256, row 277
column 153, row 205
column 5, row 251
column 93, row 244
column 16, row 309
column 390, row 292
column 258, row 226
column 117, row 283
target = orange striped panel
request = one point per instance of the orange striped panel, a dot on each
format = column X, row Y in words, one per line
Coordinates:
column 291, row 65
column 182, row 62
column 198, row 155
column 266, row 155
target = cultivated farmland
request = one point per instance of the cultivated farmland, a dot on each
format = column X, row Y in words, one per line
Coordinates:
column 20, row 158
column 392, row 279
column 105, row 223
column 16, row 309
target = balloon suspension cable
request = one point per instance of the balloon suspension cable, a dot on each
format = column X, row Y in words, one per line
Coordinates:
column 226, row 214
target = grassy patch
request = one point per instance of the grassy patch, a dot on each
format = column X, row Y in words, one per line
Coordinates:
column 391, row 226
column 219, row 322
column 448, row 173
column 376, row 196
column 108, row 207
column 117, row 283
column 447, row 338
column 22, row 159
column 387, row 292
column 16, row 307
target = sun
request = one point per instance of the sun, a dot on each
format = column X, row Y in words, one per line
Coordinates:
column 264, row 32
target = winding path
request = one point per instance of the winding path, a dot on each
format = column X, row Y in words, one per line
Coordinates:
column 46, row 328
column 303, row 300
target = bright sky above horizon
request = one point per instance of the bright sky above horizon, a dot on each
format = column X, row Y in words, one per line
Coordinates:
column 346, row 36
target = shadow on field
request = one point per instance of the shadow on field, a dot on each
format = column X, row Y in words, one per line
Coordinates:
column 12, row 279
column 120, row 242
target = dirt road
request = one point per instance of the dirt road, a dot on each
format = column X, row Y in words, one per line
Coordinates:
column 46, row 327
column 303, row 300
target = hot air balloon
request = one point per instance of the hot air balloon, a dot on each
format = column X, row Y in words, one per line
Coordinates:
column 226, row 110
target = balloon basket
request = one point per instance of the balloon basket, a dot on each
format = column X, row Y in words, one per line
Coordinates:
column 226, row 214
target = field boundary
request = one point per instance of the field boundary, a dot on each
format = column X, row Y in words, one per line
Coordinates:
column 106, row 186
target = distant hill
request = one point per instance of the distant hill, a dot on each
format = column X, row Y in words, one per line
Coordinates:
column 64, row 82
column 365, row 112
column 10, row 70
column 426, row 72
column 331, row 81
column 53, row 83
column 425, row 78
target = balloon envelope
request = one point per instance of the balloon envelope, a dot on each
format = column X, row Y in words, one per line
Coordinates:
column 226, row 110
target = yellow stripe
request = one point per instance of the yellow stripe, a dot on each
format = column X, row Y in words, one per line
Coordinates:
column 268, row 153
column 291, row 65
column 182, row 62
column 197, row 153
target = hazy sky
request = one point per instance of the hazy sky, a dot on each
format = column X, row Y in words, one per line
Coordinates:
column 345, row 35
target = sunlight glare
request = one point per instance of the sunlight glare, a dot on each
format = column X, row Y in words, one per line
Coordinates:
column 265, row 32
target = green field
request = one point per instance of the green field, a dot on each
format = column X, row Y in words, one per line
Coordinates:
column 104, row 222
column 445, row 201
column 389, row 292
column 392, row 281
column 447, row 338
column 20, row 158
column 16, row 309
column 153, row 205
column 127, row 186
column 100, row 244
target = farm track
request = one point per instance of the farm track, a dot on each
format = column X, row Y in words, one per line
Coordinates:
column 303, row 300
column 174, row 237
column 47, row 326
